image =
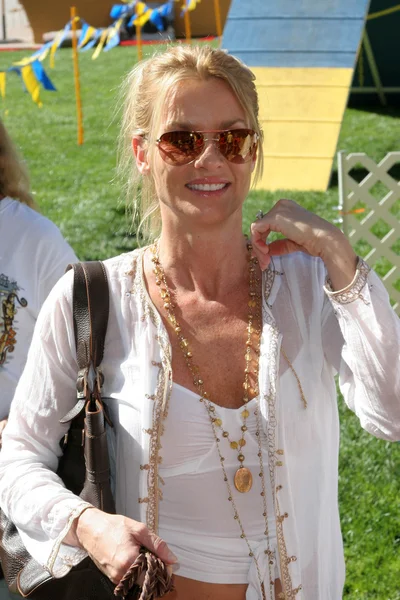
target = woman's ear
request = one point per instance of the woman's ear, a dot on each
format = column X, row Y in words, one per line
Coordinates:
column 140, row 152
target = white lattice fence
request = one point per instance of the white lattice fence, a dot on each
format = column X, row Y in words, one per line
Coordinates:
column 376, row 199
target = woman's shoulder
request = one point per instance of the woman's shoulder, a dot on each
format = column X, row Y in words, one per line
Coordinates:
column 123, row 266
column 119, row 269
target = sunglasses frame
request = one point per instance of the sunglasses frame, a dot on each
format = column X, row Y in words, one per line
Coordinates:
column 204, row 139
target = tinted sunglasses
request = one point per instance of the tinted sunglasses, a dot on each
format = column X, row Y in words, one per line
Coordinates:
column 183, row 147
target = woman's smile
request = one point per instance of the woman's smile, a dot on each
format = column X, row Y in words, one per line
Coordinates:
column 208, row 186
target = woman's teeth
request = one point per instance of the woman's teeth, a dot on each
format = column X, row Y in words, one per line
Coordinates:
column 207, row 187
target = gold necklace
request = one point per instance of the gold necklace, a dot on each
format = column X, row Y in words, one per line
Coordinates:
column 243, row 478
column 268, row 552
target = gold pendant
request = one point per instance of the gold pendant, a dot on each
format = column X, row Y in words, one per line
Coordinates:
column 243, row 480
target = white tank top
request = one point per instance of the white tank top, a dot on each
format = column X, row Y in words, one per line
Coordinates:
column 195, row 515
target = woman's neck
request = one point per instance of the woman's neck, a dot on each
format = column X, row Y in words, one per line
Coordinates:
column 208, row 264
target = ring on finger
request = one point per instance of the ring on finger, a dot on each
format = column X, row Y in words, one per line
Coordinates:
column 260, row 215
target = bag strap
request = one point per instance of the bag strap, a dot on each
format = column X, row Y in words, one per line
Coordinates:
column 90, row 307
column 90, row 312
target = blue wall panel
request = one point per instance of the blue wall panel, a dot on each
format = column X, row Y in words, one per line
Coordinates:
column 352, row 9
column 288, row 33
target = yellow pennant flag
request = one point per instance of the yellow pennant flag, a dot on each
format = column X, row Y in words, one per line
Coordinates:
column 22, row 62
column 100, row 44
column 140, row 8
column 143, row 18
column 54, row 47
column 90, row 31
column 3, row 84
column 190, row 5
column 32, row 84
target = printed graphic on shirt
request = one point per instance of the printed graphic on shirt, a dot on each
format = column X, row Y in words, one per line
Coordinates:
column 10, row 301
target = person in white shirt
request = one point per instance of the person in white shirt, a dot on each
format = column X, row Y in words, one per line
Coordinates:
column 219, row 364
column 33, row 256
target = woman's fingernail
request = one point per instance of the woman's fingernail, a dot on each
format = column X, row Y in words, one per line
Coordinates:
column 173, row 568
column 171, row 557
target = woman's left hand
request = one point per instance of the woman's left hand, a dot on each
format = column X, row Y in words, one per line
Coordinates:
column 304, row 232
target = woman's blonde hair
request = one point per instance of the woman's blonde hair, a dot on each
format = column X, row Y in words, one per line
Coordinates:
column 14, row 180
column 144, row 93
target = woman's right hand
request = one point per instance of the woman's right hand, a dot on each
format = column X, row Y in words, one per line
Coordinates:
column 113, row 542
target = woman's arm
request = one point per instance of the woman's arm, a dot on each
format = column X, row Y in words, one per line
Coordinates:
column 361, row 332
column 361, row 337
column 55, row 525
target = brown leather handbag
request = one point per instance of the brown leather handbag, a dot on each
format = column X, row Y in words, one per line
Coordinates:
column 84, row 468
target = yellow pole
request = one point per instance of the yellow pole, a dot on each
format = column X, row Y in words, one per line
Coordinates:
column 188, row 31
column 76, row 77
column 217, row 12
column 139, row 39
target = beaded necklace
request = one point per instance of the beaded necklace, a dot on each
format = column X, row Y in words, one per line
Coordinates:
column 243, row 478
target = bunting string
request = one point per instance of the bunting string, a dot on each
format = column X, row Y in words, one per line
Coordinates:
column 31, row 69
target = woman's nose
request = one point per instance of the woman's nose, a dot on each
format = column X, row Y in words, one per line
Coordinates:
column 210, row 154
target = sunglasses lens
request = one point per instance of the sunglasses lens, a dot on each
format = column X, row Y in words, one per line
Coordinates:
column 239, row 145
column 180, row 147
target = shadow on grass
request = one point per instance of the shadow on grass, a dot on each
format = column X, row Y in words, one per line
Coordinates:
column 373, row 104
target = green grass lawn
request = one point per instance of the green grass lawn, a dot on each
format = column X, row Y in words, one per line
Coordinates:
column 75, row 187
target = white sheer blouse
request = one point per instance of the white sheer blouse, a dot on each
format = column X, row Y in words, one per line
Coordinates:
column 353, row 332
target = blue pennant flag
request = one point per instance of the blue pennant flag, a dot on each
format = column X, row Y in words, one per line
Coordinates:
column 84, row 30
column 114, row 41
column 157, row 20
column 166, row 10
column 42, row 76
column 130, row 22
column 120, row 10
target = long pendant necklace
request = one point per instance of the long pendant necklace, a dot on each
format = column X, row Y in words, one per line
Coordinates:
column 243, row 478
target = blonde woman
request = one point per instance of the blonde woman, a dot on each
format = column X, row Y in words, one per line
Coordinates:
column 33, row 256
column 219, row 364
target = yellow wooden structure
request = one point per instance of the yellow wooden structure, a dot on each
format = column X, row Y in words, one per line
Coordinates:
column 301, row 112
